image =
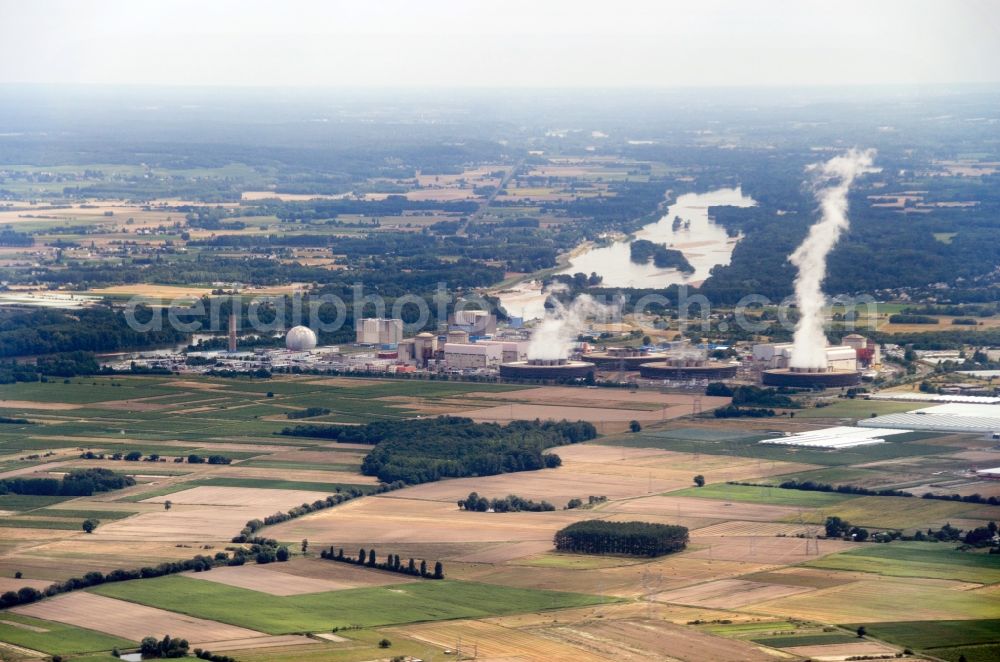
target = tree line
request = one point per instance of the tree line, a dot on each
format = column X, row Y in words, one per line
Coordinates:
column 630, row 538
column 392, row 563
column 77, row 482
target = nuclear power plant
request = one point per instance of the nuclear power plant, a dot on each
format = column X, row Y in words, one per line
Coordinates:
column 546, row 369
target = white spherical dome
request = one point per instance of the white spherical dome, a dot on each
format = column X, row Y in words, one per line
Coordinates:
column 300, row 338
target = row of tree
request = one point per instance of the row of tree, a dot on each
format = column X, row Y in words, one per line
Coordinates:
column 255, row 525
column 631, row 538
column 813, row 486
column 392, row 563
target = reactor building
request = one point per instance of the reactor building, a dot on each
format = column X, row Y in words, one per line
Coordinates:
column 300, row 339
column 775, row 358
column 682, row 368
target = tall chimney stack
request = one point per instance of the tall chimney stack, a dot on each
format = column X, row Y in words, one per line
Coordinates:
column 232, row 332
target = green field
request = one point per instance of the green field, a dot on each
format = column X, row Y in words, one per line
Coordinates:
column 745, row 445
column 985, row 653
column 765, row 495
column 816, row 639
column 57, row 638
column 896, row 512
column 277, row 484
column 403, row 603
column 26, row 502
column 936, row 634
column 56, row 524
column 301, row 466
column 931, row 560
column 857, row 409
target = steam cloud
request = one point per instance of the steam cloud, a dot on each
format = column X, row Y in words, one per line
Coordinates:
column 833, row 181
column 553, row 338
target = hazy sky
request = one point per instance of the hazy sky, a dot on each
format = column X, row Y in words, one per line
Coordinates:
column 510, row 43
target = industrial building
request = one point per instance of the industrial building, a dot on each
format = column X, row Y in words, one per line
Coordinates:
column 379, row 331
column 867, row 352
column 473, row 356
column 474, row 322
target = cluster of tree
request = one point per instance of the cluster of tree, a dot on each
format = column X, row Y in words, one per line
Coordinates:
column 94, row 329
column 166, row 647
column 309, row 412
column 13, row 238
column 631, row 538
column 900, row 318
column 591, row 501
column 971, row 310
column 732, row 411
column 392, row 563
column 836, row 527
column 982, row 536
column 212, row 657
column 751, row 395
column 255, row 525
column 509, row 504
column 77, row 482
column 451, row 447
column 194, row 458
column 642, row 250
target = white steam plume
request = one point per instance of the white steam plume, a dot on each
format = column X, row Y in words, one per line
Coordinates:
column 833, row 181
column 553, row 338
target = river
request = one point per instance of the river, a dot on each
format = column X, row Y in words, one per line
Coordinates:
column 704, row 244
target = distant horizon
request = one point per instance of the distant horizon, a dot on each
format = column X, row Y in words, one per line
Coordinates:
column 521, row 44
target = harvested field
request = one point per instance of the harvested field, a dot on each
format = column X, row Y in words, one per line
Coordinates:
column 842, row 651
column 637, row 640
column 42, row 406
column 741, row 528
column 493, row 642
column 299, row 577
column 11, row 584
column 880, row 599
column 728, row 593
column 253, row 643
column 706, row 508
column 764, row 549
column 380, row 520
column 263, row 499
column 257, row 578
column 129, row 620
column 187, row 523
column 554, row 485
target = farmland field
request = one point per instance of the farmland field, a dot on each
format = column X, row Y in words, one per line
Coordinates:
column 765, row 495
column 55, row 638
column 932, row 560
column 751, row 561
column 402, row 603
